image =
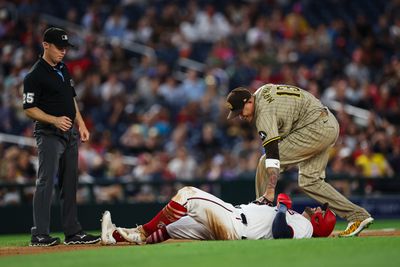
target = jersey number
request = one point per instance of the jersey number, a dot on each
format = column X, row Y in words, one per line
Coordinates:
column 28, row 98
column 288, row 90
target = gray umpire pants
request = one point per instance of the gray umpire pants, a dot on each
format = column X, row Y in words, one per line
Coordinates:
column 58, row 157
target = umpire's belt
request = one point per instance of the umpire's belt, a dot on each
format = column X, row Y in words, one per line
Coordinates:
column 49, row 129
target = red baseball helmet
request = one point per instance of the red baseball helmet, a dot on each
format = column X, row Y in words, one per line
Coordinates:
column 323, row 223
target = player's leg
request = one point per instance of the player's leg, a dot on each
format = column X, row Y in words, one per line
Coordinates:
column 212, row 212
column 184, row 228
column 221, row 218
column 188, row 228
column 203, row 207
column 308, row 141
column 109, row 233
column 312, row 181
column 172, row 212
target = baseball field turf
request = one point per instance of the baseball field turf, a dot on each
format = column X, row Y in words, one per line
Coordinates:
column 368, row 250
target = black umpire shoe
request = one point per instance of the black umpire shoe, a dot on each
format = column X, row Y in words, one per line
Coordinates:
column 44, row 241
column 81, row 238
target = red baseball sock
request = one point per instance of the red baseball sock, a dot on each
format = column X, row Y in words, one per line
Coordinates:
column 158, row 236
column 172, row 212
column 118, row 237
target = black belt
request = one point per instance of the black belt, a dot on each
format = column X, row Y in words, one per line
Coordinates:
column 47, row 126
column 244, row 219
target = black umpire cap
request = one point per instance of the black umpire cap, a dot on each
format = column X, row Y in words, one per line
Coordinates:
column 235, row 101
column 57, row 37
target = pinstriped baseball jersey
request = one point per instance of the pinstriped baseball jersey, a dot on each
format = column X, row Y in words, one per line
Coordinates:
column 282, row 109
column 306, row 131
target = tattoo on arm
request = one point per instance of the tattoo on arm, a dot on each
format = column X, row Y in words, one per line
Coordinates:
column 272, row 176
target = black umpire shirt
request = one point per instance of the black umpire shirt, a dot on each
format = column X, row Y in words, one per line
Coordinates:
column 50, row 89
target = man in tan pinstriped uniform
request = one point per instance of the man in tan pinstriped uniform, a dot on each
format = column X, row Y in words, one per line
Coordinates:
column 295, row 129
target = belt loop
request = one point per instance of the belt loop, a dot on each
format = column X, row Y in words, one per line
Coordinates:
column 244, row 222
column 244, row 219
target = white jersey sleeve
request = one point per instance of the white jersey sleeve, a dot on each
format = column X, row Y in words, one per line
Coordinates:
column 302, row 227
column 260, row 219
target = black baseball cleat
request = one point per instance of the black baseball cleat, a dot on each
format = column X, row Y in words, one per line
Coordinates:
column 44, row 241
column 81, row 238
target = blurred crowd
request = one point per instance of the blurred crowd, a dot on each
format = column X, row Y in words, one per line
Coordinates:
column 152, row 120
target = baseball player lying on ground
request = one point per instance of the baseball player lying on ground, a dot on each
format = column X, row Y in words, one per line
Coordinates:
column 195, row 214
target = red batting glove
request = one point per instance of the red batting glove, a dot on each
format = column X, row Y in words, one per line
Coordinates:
column 285, row 199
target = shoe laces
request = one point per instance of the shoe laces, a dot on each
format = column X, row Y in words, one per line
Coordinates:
column 139, row 233
column 351, row 228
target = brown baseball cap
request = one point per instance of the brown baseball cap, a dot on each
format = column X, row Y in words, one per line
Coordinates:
column 57, row 37
column 235, row 101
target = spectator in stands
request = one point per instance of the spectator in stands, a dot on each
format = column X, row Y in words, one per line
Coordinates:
column 116, row 24
column 111, row 88
column 193, row 86
column 372, row 164
column 172, row 93
column 259, row 34
column 134, row 139
column 211, row 24
column 296, row 26
column 394, row 158
column 356, row 69
column 9, row 175
column 183, row 165
column 298, row 46
column 25, row 168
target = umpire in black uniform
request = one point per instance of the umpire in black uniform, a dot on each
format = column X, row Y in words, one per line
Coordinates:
column 48, row 99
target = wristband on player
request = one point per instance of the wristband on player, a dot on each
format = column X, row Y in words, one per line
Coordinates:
column 274, row 163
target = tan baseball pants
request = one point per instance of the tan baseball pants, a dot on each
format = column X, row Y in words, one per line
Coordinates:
column 308, row 148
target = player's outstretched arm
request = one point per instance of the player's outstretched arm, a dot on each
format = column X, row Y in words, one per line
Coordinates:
column 280, row 228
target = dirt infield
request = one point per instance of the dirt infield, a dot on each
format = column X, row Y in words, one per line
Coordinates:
column 8, row 251
column 13, row 251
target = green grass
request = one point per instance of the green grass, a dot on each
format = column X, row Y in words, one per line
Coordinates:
column 378, row 224
column 19, row 240
column 368, row 251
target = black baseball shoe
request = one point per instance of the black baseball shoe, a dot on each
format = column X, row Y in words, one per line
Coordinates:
column 44, row 241
column 81, row 238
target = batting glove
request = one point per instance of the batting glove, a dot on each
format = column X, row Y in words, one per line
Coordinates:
column 284, row 199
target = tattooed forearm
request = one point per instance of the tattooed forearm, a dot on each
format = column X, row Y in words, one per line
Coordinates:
column 272, row 177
